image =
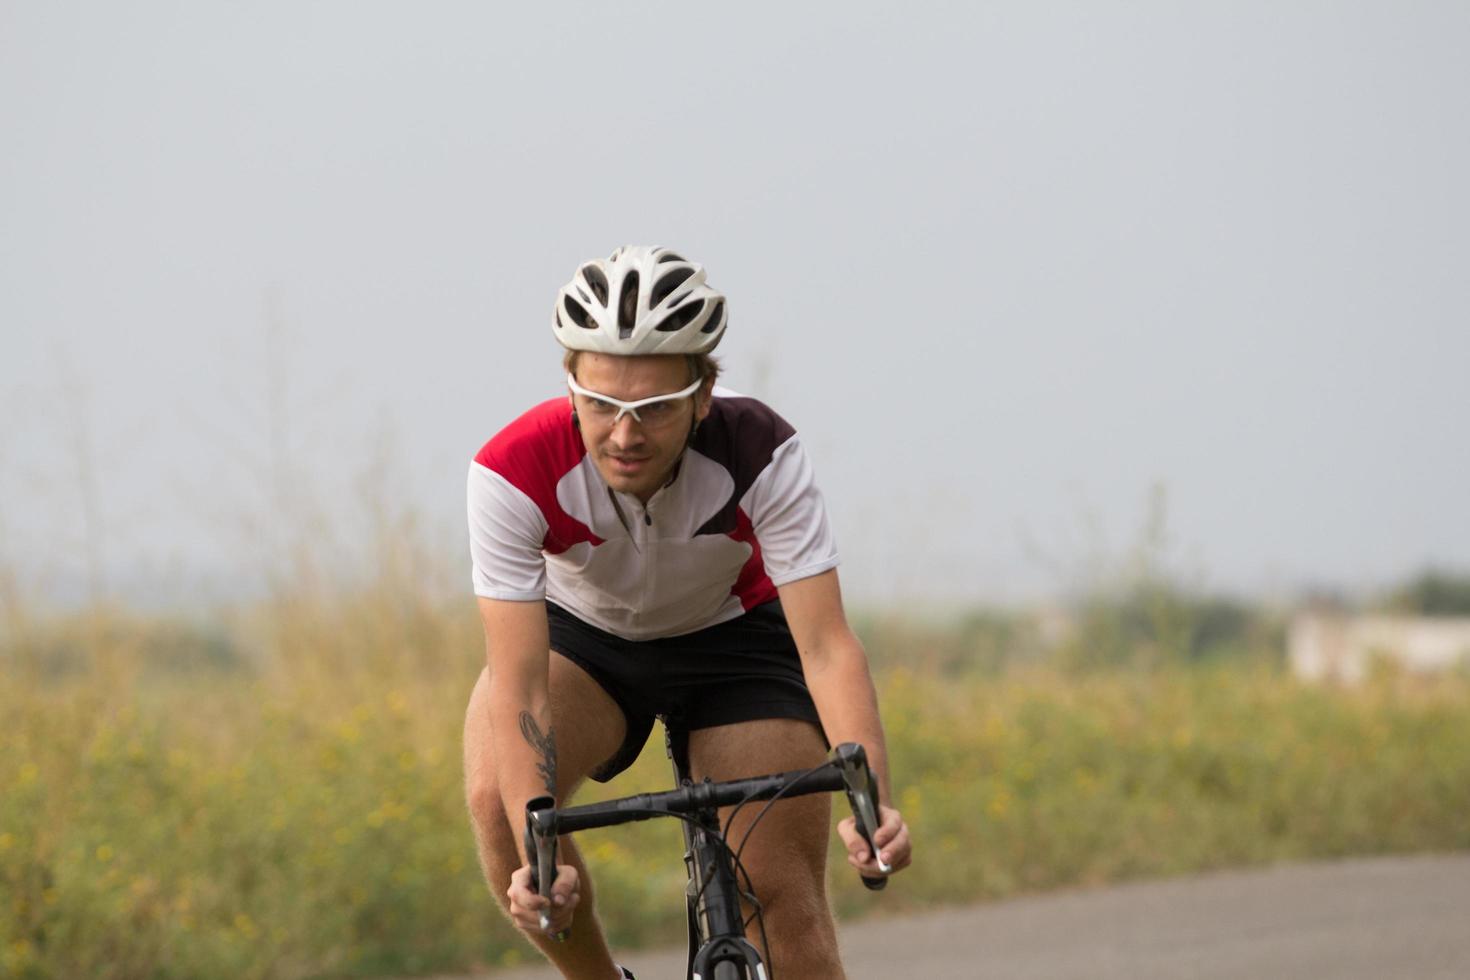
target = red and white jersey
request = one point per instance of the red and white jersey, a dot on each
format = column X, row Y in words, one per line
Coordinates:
column 743, row 516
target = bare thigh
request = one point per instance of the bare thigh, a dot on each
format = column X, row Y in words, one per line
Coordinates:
column 786, row 854
column 587, row 722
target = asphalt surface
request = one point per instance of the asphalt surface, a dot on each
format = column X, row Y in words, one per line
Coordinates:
column 1350, row 920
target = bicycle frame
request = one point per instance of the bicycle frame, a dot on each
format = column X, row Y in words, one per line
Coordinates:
column 712, row 896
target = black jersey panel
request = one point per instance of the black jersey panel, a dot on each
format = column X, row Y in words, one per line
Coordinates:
column 741, row 434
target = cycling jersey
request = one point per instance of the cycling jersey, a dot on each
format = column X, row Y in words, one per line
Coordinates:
column 741, row 516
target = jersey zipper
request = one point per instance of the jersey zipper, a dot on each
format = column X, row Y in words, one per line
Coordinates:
column 623, row 520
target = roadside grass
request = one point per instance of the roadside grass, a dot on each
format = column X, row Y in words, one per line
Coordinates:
column 282, row 798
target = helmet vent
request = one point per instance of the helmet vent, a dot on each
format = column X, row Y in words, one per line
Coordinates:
column 641, row 299
column 628, row 306
column 579, row 316
column 668, row 284
column 682, row 317
column 716, row 319
column 597, row 281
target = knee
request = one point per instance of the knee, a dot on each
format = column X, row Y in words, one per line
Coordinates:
column 487, row 809
column 481, row 788
column 801, row 932
column 795, row 906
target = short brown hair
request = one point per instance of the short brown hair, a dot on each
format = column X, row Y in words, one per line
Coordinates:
column 703, row 367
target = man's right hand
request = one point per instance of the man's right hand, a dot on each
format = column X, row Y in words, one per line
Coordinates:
column 526, row 906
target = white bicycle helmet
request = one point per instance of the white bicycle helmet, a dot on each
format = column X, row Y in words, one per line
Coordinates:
column 640, row 300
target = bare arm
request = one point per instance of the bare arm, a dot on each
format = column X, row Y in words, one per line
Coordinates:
column 517, row 651
column 836, row 669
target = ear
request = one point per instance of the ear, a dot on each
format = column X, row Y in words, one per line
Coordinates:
column 702, row 399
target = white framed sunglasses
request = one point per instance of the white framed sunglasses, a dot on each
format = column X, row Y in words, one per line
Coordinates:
column 607, row 410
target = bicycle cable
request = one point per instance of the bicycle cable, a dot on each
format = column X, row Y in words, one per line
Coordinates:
column 748, row 894
column 722, row 838
column 740, row 869
column 759, row 915
column 769, row 803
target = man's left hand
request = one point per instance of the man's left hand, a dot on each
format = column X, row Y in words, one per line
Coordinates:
column 891, row 840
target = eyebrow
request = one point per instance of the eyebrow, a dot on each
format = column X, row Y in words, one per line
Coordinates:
column 634, row 403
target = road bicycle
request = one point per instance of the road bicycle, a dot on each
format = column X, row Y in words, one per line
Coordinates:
column 718, row 946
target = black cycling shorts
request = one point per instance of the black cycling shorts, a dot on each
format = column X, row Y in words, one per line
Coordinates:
column 740, row 670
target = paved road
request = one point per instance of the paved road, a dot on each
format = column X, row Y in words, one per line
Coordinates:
column 1353, row 920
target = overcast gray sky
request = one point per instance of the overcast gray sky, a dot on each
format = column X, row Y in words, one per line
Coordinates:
column 1007, row 266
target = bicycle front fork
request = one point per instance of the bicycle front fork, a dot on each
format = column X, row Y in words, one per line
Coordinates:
column 718, row 949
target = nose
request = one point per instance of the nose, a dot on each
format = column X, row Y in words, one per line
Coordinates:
column 626, row 432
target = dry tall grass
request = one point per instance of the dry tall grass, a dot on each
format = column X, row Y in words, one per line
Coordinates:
column 277, row 794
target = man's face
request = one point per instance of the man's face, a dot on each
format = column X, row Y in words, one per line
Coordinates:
column 633, row 456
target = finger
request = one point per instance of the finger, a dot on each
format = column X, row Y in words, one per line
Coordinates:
column 889, row 826
column 522, row 898
column 898, row 852
column 560, row 923
column 521, row 890
column 527, row 911
column 526, row 920
column 565, row 902
column 566, row 887
column 864, row 863
column 871, row 863
column 857, row 848
column 560, row 917
column 885, row 851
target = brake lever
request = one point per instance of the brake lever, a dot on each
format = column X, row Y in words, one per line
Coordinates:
column 541, row 849
column 862, row 795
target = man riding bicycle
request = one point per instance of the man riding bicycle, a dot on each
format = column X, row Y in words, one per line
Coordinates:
column 655, row 546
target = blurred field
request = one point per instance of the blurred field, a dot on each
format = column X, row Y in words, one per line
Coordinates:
column 278, row 795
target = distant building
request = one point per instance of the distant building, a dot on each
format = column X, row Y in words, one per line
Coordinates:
column 1335, row 646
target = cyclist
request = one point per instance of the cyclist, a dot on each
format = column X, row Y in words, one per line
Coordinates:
column 652, row 545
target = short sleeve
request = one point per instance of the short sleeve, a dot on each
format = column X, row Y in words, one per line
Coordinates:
column 506, row 533
column 789, row 517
